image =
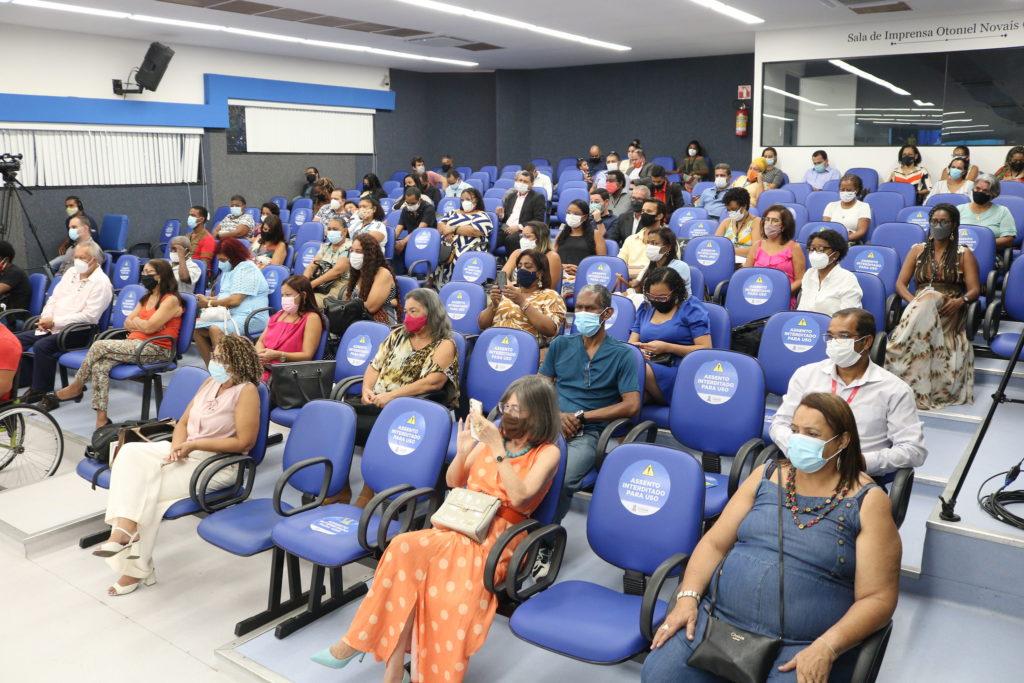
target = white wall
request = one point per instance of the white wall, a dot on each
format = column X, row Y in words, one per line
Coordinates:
column 876, row 37
column 44, row 62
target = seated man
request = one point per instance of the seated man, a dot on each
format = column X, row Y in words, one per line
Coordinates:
column 891, row 435
column 311, row 176
column 201, row 241
column 711, row 198
column 670, row 193
column 74, row 208
column 81, row 296
column 539, row 179
column 596, row 379
column 629, row 222
column 518, row 207
column 237, row 223
column 419, row 166
column 416, row 213
column 79, row 232
column 634, row 247
column 820, row 172
column 600, row 212
column 15, row 290
column 455, row 184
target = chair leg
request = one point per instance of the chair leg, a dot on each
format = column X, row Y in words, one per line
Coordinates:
column 64, row 376
column 158, row 390
column 147, row 393
column 317, row 607
column 275, row 607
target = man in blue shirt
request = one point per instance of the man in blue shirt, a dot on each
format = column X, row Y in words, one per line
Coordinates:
column 455, row 184
column 596, row 379
column 711, row 198
column 821, row 172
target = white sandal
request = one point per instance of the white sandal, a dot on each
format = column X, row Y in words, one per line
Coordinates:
column 111, row 548
column 125, row 590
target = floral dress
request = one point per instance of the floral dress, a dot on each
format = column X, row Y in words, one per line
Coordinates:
column 399, row 364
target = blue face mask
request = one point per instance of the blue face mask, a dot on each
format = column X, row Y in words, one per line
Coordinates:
column 192, row 221
column 820, row 168
column 217, row 372
column 955, row 173
column 73, row 234
column 805, row 453
column 236, row 211
column 225, row 266
column 334, row 236
column 588, row 323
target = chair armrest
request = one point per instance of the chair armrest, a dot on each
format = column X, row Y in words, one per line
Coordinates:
column 245, row 326
column 990, row 284
column 211, row 467
column 718, row 296
column 993, row 313
column 137, row 245
column 899, row 493
column 748, row 451
column 371, row 507
column 878, row 349
column 650, row 427
column 78, row 329
column 412, row 267
column 520, row 567
column 494, row 556
column 869, row 658
column 114, row 333
column 406, row 502
column 606, row 436
column 341, row 387
column 973, row 319
column 10, row 312
column 654, row 586
column 282, row 481
column 158, row 366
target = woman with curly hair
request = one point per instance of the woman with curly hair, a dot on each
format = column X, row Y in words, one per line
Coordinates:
column 371, row 280
column 243, row 289
column 1013, row 168
column 147, row 478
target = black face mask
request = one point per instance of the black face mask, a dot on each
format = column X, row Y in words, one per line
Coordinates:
column 658, row 186
column 446, row 167
column 981, row 198
column 663, row 306
column 525, row 278
column 594, row 161
column 310, row 177
column 637, row 205
column 647, row 220
column 907, row 160
column 148, row 281
column 1017, row 166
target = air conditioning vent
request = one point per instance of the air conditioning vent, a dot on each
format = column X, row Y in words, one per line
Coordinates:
column 879, row 9
column 439, row 41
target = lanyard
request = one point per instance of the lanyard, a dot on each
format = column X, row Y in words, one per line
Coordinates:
column 852, row 395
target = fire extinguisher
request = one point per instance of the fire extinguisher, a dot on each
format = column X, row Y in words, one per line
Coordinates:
column 742, row 121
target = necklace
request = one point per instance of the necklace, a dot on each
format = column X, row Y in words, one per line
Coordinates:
column 510, row 454
column 830, row 502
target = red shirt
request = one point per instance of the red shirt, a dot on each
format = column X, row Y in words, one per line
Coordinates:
column 659, row 192
column 10, row 355
column 203, row 247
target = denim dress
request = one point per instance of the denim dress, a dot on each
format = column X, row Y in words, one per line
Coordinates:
column 820, row 561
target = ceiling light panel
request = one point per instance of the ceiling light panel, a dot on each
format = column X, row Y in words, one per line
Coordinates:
column 729, row 11
column 77, row 9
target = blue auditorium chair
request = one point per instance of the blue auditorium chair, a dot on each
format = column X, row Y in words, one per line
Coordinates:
column 715, row 257
column 316, row 462
column 301, row 216
column 255, row 213
column 566, row 197
column 874, row 300
column 405, row 285
column 1011, row 305
column 491, row 171
column 698, row 289
column 275, row 277
column 38, row 285
column 791, row 340
column 475, row 266
column 114, row 234
column 510, row 169
column 868, row 177
column 769, row 197
column 668, row 163
column 947, row 198
column 884, row 264
column 126, row 272
column 621, row 321
column 816, row 203
column 799, row 212
column 463, row 302
column 308, row 232
column 402, row 462
column 905, row 190
column 721, row 327
column 282, row 202
column 158, row 249
column 448, row 204
column 754, row 293
column 221, row 211
column 900, row 237
column 885, row 208
column 600, row 270
column 422, row 252
column 800, row 192
column 684, row 214
column 644, row 530
column 699, row 188
column 803, row 235
column 305, row 255
column 830, row 186
column 917, row 215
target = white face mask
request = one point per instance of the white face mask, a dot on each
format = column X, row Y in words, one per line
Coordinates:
column 81, row 266
column 573, row 220
column 468, row 205
column 174, row 258
column 846, row 196
column 421, row 169
column 335, row 204
column 819, row 260
column 355, row 259
column 366, row 214
column 692, row 152
column 654, row 252
column 528, row 244
column 721, row 181
column 842, row 353
column 736, row 216
column 413, row 207
column 522, row 188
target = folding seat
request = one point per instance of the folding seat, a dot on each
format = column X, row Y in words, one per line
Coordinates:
column 754, row 293
column 475, row 266
column 715, row 257
column 463, row 302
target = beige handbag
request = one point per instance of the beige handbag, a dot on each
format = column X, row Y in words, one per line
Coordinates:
column 468, row 512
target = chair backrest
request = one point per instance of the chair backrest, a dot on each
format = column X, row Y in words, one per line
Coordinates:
column 255, row 213
column 389, row 185
column 830, row 186
column 407, row 444
column 695, row 228
column 171, row 228
column 221, row 211
column 483, row 176
column 275, row 276
column 423, row 246
column 917, row 215
column 126, row 271
column 905, row 190
column 714, row 256
column 37, row 283
column 310, row 232
column 399, row 176
column 504, row 184
column 396, row 193
column 899, row 236
column 873, row 296
column 387, row 203
column 448, row 204
column 1013, row 291
column 982, row 242
column 126, row 301
column 322, row 429
column 721, row 328
column 684, row 214
column 500, row 356
column 877, row 260
column 188, row 323
column 200, row 286
column 491, row 171
column 305, row 255
column 114, row 232
column 799, row 212
column 803, row 236
column 463, row 301
column 947, row 198
column 405, row 285
column 475, row 266
column 717, row 401
column 567, row 196
column 885, row 207
column 302, row 215
column 600, row 270
column 303, row 203
column 357, row 348
column 800, row 191
column 611, row 247
column 648, row 505
column 510, row 168
column 477, row 183
column 668, row 163
column 569, row 174
column 282, row 202
column 701, row 186
column 545, row 511
column 1015, row 204
column 769, row 197
column 260, row 448
column 756, row 293
column 816, row 203
column 391, row 219
column 697, row 286
column 564, row 164
column 868, row 177
column 573, row 184
column 180, row 391
column 791, row 340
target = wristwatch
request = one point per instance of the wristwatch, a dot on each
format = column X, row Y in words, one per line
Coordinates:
column 499, row 458
column 966, row 300
column 283, row 357
column 579, row 417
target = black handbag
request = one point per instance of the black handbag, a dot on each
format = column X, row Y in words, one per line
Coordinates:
column 746, row 338
column 293, row 385
column 319, row 269
column 340, row 314
column 733, row 653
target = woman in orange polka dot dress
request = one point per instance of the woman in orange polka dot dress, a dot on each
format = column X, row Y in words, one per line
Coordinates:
column 428, row 595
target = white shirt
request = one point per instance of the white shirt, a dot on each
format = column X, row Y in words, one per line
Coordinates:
column 837, row 291
column 942, row 187
column 517, row 208
column 76, row 300
column 891, row 434
column 544, row 183
column 358, row 228
column 193, row 272
column 848, row 217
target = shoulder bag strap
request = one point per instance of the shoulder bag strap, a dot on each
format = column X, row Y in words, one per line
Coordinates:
column 782, row 602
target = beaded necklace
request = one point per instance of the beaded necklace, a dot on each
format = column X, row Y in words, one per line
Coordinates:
column 830, row 502
column 510, row 454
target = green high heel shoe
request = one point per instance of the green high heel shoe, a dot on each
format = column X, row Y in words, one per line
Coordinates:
column 327, row 659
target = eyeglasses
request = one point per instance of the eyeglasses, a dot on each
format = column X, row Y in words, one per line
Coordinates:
column 941, row 223
column 828, row 336
column 586, row 373
column 659, row 299
column 820, row 250
column 508, row 409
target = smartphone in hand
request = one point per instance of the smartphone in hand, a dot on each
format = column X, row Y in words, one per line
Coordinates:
column 502, row 279
column 474, row 407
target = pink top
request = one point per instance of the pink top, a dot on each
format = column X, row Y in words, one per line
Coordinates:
column 782, row 261
column 213, row 416
column 284, row 336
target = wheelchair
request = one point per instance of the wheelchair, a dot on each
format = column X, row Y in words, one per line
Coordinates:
column 31, row 445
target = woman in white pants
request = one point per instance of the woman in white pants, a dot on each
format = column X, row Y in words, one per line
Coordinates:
column 147, row 478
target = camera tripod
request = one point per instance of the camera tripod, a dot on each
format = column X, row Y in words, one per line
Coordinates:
column 8, row 196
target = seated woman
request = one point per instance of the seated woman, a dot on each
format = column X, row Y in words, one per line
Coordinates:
column 147, row 478
column 842, row 558
column 369, row 272
column 467, row 228
column 515, row 463
column 156, row 317
column 269, row 209
column 963, row 152
column 243, row 290
column 270, row 246
column 740, row 227
column 323, row 188
column 668, row 325
column 954, row 179
column 530, row 305
column 693, row 167
column 372, row 187
column 186, row 271
column 984, row 212
column 536, row 236
column 929, row 348
column 293, row 333
column 911, row 171
column 1013, row 168
column 328, row 271
column 577, row 239
column 773, row 178
column 369, row 219
column 778, row 249
column 663, row 252
column 753, row 181
column 827, row 287
column 854, row 214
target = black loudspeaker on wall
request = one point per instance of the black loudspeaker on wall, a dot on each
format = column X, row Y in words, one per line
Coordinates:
column 148, row 76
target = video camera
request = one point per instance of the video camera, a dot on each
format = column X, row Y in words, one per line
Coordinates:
column 10, row 164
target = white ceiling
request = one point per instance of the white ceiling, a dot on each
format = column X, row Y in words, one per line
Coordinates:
column 654, row 29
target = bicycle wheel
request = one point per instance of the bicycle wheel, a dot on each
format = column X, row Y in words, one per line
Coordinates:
column 31, row 445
